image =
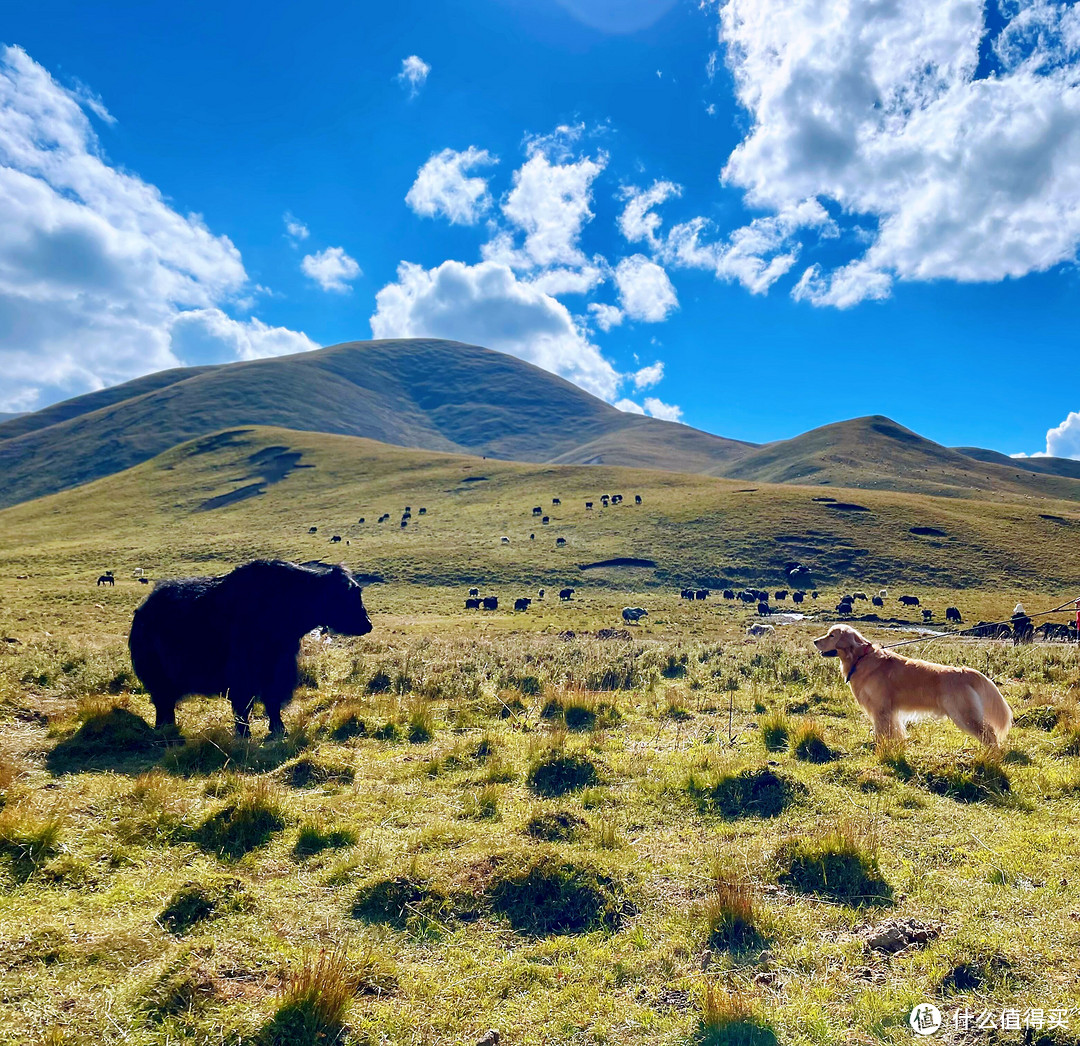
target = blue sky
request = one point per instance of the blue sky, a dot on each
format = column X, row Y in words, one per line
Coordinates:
column 847, row 214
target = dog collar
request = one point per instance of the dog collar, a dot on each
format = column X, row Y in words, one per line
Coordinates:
column 866, row 650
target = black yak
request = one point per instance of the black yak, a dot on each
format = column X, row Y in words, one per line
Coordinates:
column 522, row 604
column 953, row 614
column 107, row 579
column 472, row 603
column 239, row 634
column 490, row 602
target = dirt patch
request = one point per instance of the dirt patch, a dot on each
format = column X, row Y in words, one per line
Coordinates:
column 896, row 935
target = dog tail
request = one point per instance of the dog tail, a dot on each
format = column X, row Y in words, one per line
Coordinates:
column 996, row 711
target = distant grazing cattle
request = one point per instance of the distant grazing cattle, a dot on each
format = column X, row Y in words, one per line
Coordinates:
column 758, row 629
column 423, row 512
column 335, row 539
column 616, row 499
column 632, row 615
column 560, row 541
column 701, row 593
column 878, row 601
column 686, row 593
column 764, row 609
column 883, row 592
column 729, row 593
column 588, row 506
column 1056, row 631
column 406, row 514
column 990, row 630
column 239, row 634
column 144, row 581
column 843, row 608
column 538, row 510
column 474, row 591
column 814, row 594
column 860, row 595
column 604, row 499
column 472, row 604
column 313, row 530
column 556, row 501
column 360, row 520
column 847, row 599
column 545, row 520
column 491, row 602
column 522, row 604
column 928, row 615
column 107, row 579
column 747, row 596
column 408, row 508
column 782, row 594
column 404, row 524
column 637, row 499
column 953, row 614
column 532, row 537
column 540, row 594
column 798, row 597
column 909, row 601
column 504, row 540
column 566, row 593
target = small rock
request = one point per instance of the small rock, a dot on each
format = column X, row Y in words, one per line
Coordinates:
column 894, row 935
column 489, row 1038
column 766, row 978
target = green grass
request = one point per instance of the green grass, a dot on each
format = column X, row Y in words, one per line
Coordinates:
column 466, row 896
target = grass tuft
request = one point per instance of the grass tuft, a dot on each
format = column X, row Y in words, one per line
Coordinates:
column 730, row 917
column 730, row 1017
column 749, row 793
column 775, row 731
column 196, row 902
column 313, row 839
column 560, row 772
column 245, row 824
column 809, row 745
column 555, row 826
column 838, row 865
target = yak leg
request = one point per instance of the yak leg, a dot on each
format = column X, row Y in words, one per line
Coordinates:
column 278, row 692
column 164, row 710
column 241, row 704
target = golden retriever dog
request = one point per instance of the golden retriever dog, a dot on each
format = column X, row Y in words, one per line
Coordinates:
column 892, row 688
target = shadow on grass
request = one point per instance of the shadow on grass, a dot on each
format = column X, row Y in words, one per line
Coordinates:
column 120, row 741
column 747, row 1031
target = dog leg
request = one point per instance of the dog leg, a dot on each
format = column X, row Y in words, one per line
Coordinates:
column 887, row 726
column 969, row 717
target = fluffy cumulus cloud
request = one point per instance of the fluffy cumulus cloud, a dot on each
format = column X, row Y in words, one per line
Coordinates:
column 550, row 204
column 414, row 74
column 955, row 136
column 443, row 186
column 332, row 269
column 645, row 290
column 295, row 229
column 95, row 267
column 649, row 376
column 665, row 411
column 487, row 304
column 1063, row 441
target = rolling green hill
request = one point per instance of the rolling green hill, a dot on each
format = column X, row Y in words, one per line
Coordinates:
column 256, row 492
column 448, row 397
column 1047, row 466
column 875, row 453
column 433, row 395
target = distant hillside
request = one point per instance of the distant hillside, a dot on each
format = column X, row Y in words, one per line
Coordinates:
column 428, row 394
column 875, row 453
column 257, row 491
column 1047, row 466
column 444, row 396
column 10, row 415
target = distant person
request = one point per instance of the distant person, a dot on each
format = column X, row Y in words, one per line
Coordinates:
column 1023, row 631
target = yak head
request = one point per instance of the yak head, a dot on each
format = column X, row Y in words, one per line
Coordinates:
column 342, row 602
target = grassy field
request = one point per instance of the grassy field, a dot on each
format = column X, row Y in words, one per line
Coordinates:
column 677, row 834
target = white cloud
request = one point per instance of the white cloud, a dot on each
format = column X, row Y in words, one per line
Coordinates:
column 1063, row 441
column 550, row 203
column 606, row 316
column 413, row 75
column 442, row 186
column 487, row 304
column 968, row 173
column 95, row 267
column 664, row 411
column 649, row 376
column 568, row 281
column 295, row 229
column 645, row 291
column 332, row 269
column 638, row 222
column 198, row 335
column 629, row 407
